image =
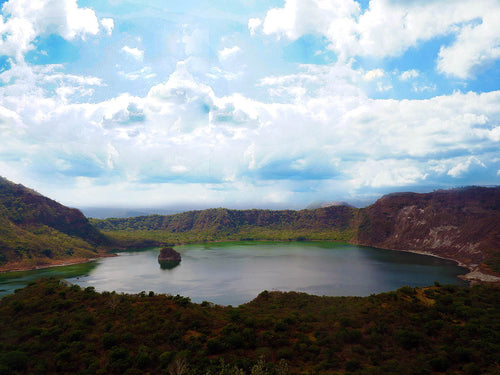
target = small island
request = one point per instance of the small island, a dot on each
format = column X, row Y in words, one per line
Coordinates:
column 169, row 258
column 168, row 254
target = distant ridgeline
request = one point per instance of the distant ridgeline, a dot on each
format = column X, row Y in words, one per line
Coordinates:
column 37, row 231
column 460, row 224
column 336, row 223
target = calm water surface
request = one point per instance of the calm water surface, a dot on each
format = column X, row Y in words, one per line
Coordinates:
column 235, row 272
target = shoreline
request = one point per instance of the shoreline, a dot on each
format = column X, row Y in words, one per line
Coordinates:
column 19, row 267
column 475, row 274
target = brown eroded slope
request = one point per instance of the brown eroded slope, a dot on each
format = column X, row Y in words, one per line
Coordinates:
column 459, row 224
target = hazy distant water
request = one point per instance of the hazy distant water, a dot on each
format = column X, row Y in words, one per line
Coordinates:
column 235, row 272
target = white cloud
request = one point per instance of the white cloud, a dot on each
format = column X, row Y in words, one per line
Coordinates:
column 254, row 24
column 10, row 122
column 494, row 134
column 135, row 52
column 382, row 87
column 108, row 25
column 409, row 74
column 476, row 45
column 28, row 19
column 179, row 169
column 389, row 28
column 373, row 74
column 182, row 139
column 227, row 52
column 465, row 166
column 387, row 172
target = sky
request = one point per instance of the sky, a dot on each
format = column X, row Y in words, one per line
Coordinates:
column 248, row 103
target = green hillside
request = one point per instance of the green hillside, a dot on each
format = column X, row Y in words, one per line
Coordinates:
column 37, row 231
column 331, row 223
column 52, row 328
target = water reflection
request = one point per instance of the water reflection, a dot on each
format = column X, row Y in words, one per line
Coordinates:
column 11, row 281
column 168, row 265
column 235, row 273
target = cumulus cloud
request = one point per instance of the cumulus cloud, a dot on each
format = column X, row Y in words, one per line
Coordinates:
column 387, row 172
column 409, row 74
column 228, row 52
column 476, row 45
column 254, row 24
column 135, row 52
column 389, row 28
column 316, row 131
column 26, row 19
column 108, row 25
column 373, row 74
column 465, row 166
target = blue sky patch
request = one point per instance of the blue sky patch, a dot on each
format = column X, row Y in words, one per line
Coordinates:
column 52, row 49
column 148, row 101
column 4, row 63
column 309, row 49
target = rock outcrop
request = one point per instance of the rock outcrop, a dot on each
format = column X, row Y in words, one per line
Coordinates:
column 167, row 254
column 459, row 224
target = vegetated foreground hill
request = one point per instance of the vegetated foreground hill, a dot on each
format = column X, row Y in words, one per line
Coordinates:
column 36, row 231
column 52, row 328
column 460, row 224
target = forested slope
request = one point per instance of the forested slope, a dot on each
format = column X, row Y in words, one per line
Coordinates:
column 36, row 231
column 333, row 222
column 52, row 328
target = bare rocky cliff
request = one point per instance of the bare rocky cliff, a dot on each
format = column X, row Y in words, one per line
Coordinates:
column 460, row 224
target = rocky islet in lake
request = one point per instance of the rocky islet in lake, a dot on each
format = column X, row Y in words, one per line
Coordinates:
column 168, row 258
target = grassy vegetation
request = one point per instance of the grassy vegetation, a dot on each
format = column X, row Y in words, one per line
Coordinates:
column 494, row 262
column 50, row 327
column 139, row 238
column 35, row 230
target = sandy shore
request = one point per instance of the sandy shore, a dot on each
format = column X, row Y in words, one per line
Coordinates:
column 475, row 275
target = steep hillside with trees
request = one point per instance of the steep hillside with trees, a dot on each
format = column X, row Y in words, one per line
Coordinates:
column 37, row 231
column 220, row 223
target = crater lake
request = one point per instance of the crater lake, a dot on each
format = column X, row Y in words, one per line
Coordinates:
column 232, row 273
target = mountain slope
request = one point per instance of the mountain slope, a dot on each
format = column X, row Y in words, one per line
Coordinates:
column 36, row 231
column 461, row 224
column 221, row 219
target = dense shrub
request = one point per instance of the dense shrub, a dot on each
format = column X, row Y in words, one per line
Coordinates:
column 62, row 329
